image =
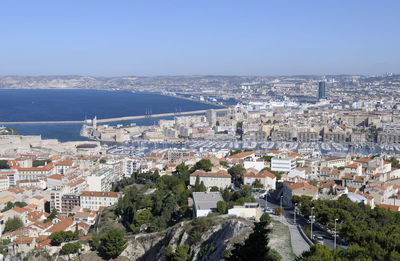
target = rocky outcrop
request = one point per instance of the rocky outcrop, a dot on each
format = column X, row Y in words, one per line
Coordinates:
column 221, row 235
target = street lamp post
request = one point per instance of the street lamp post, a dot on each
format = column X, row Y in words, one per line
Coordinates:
column 294, row 218
column 334, row 244
column 281, row 207
column 312, row 221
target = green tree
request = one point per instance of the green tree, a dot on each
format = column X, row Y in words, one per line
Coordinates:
column 143, row 217
column 70, row 248
column 221, row 207
column 265, row 218
column 182, row 168
column 274, row 255
column 250, row 250
column 13, row 224
column 278, row 211
column 257, row 184
column 94, row 243
column 76, row 232
column 52, row 215
column 203, row 164
column 57, row 238
column 202, row 187
column 237, row 172
column 181, row 253
column 214, row 189
column 3, row 164
column 233, row 152
column 395, row 163
column 10, row 205
column 316, row 253
column 113, row 243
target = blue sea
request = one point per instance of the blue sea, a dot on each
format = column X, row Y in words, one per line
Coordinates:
column 73, row 105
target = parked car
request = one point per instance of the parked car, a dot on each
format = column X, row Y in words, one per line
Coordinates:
column 269, row 210
column 319, row 239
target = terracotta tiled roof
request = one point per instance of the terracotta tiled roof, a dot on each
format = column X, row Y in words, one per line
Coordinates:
column 19, row 210
column 64, row 163
column 42, row 225
column 261, row 174
column 242, row 155
column 302, row 185
column 220, row 174
column 293, row 154
column 99, row 194
column 55, row 176
column 44, row 243
column 352, row 166
column 363, row 160
column 83, row 225
column 389, row 207
column 34, row 215
column 71, row 184
column 43, row 168
column 62, row 225
column 23, row 240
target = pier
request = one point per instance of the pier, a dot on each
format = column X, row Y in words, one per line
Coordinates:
column 126, row 118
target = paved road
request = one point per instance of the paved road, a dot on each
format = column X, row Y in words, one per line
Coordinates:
column 299, row 245
column 289, row 216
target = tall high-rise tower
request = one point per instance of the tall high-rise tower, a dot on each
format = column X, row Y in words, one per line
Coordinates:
column 321, row 90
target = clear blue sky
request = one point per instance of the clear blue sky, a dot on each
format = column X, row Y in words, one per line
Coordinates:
column 166, row 37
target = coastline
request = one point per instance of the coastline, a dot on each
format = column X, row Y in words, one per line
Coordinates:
column 70, row 128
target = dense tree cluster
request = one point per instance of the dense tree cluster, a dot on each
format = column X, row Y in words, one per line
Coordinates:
column 13, row 224
column 3, row 164
column 203, row 164
column 70, row 248
column 154, row 212
column 113, row 243
column 11, row 205
column 39, row 163
column 63, row 236
column 372, row 233
column 237, row 198
column 237, row 173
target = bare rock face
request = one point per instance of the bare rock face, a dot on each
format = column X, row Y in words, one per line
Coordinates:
column 221, row 235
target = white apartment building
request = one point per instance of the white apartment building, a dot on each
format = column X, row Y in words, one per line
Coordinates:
column 283, row 163
column 12, row 175
column 4, row 183
column 102, row 180
column 254, row 164
column 93, row 200
column 220, row 179
column 266, row 178
column 34, row 173
column 56, row 198
column 130, row 166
